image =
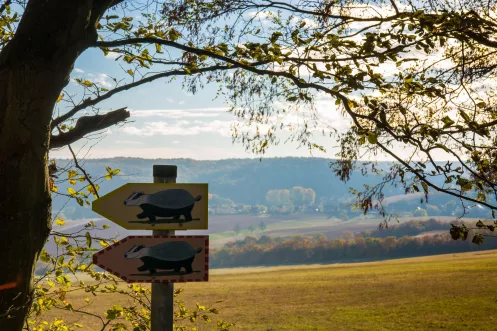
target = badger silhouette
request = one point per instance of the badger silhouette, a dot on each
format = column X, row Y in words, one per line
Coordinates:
column 169, row 255
column 166, row 203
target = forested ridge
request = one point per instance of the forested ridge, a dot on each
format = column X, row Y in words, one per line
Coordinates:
column 244, row 183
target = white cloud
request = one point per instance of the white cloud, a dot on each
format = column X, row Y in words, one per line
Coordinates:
column 179, row 128
column 129, row 142
column 181, row 102
column 112, row 55
column 79, row 70
column 175, row 142
column 170, row 100
column 260, row 14
column 102, row 80
column 180, row 113
column 309, row 23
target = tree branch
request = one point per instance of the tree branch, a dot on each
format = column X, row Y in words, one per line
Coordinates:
column 76, row 163
column 88, row 124
column 92, row 102
column 4, row 6
column 423, row 178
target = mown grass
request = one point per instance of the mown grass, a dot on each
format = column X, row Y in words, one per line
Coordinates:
column 444, row 292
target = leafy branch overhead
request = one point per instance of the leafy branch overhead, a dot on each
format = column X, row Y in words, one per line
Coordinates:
column 412, row 81
column 407, row 77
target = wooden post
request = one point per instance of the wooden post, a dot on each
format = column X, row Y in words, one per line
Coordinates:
column 163, row 294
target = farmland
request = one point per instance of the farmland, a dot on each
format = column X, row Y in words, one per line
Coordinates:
column 221, row 227
column 451, row 292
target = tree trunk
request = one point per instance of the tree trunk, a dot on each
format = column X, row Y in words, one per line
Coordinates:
column 34, row 68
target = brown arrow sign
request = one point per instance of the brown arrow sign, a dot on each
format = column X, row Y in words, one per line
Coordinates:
column 157, row 259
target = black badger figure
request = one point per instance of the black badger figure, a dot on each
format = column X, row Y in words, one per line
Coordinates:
column 169, row 255
column 166, row 203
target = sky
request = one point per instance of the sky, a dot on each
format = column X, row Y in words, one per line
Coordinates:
column 168, row 122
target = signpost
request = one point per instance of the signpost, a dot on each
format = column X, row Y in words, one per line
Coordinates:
column 161, row 259
column 157, row 259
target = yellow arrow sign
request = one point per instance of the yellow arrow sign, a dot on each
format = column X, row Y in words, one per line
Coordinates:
column 144, row 206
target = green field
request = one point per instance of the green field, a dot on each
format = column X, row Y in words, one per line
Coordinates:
column 444, row 292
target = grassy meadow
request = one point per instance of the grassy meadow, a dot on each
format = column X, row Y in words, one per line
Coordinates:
column 444, row 292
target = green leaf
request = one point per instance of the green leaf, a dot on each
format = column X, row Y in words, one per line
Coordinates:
column 464, row 115
column 447, row 121
column 372, row 138
column 80, row 201
column 88, row 239
column 275, row 36
column 44, row 256
column 465, row 184
column 481, row 104
column 173, row 34
column 477, row 239
column 480, row 224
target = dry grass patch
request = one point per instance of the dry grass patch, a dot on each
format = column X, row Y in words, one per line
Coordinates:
column 447, row 292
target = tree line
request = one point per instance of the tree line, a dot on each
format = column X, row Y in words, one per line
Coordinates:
column 409, row 228
column 265, row 250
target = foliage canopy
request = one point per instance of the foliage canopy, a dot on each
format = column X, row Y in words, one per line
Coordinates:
column 413, row 79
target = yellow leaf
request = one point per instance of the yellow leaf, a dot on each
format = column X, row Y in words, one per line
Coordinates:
column 103, row 243
column 130, row 72
column 71, row 191
column 59, row 221
column 87, row 83
column 60, row 98
column 158, row 48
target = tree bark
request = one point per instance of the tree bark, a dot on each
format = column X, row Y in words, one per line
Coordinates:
column 34, row 68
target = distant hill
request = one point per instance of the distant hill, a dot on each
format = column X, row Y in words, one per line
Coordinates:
column 242, row 180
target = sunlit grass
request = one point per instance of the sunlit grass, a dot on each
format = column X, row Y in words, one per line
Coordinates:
column 444, row 292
